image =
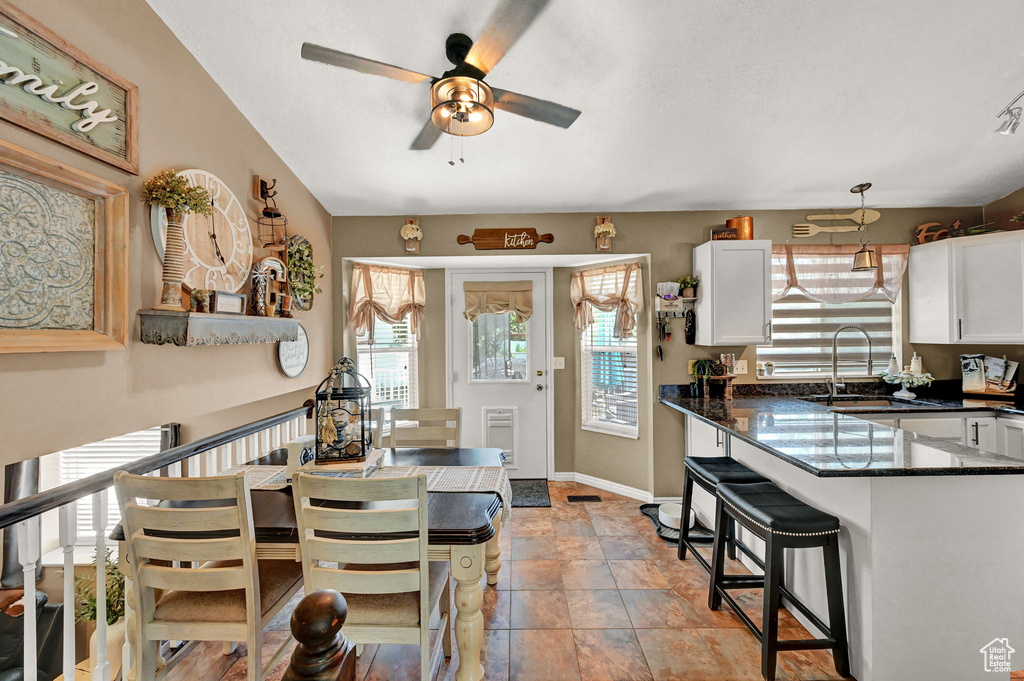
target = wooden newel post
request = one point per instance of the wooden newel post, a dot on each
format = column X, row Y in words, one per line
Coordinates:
column 323, row 653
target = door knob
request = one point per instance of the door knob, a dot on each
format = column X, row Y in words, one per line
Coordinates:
column 540, row 387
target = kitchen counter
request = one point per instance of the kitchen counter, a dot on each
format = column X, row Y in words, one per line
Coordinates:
column 932, row 532
column 834, row 442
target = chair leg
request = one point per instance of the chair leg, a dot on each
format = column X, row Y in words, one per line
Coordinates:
column 425, row 671
column 684, row 519
column 718, row 555
column 254, row 654
column 731, row 537
column 147, row 659
column 446, row 609
column 228, row 648
column 774, row 555
column 836, row 609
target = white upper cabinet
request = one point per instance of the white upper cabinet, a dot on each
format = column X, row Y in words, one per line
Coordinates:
column 968, row 290
column 734, row 299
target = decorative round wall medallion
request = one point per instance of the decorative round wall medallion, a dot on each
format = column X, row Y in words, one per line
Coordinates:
column 293, row 355
column 218, row 247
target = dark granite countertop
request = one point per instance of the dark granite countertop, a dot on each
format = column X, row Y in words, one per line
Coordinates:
column 834, row 442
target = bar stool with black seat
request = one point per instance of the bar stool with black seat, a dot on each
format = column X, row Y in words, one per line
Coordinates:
column 783, row 522
column 708, row 472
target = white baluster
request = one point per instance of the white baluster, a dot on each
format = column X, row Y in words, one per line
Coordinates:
column 302, row 425
column 264, row 441
column 193, row 465
column 28, row 554
column 174, row 470
column 252, row 444
column 101, row 670
column 225, row 458
column 68, row 534
column 239, row 449
column 277, row 436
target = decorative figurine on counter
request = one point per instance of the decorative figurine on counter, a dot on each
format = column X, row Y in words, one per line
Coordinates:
column 199, row 300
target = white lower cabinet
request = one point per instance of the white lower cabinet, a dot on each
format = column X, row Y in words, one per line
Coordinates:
column 940, row 427
column 703, row 439
column 980, row 433
column 1010, row 436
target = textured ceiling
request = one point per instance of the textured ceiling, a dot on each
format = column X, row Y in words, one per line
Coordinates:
column 687, row 104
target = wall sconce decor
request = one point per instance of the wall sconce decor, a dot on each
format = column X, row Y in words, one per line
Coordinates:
column 412, row 233
column 273, row 225
column 603, row 233
column 1009, row 126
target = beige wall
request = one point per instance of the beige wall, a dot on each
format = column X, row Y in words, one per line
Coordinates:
column 57, row 400
column 668, row 238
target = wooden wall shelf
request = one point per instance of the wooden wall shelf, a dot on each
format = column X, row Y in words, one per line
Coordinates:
column 188, row 329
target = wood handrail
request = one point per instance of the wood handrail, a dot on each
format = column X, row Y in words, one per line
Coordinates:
column 26, row 508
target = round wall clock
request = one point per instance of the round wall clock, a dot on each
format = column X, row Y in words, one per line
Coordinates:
column 218, row 247
column 293, row 355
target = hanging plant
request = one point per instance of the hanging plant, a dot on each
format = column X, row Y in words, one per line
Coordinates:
column 302, row 271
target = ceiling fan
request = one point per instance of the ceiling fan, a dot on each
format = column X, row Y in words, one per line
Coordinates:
column 461, row 103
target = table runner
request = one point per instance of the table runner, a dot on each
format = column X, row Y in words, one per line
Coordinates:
column 439, row 479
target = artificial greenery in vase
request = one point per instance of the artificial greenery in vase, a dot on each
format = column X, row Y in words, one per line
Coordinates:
column 302, row 272
column 688, row 286
column 176, row 196
column 85, row 590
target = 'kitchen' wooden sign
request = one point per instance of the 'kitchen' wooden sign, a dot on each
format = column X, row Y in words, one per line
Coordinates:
column 505, row 239
column 52, row 88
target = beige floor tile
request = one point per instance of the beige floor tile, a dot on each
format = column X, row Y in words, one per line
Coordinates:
column 578, row 548
column 637, row 574
column 596, row 609
column 536, row 574
column 625, row 548
column 678, row 655
column 655, row 609
column 531, row 548
column 587, row 574
column 497, row 609
column 539, row 610
column 611, row 526
column 738, row 654
column 557, row 663
column 610, row 655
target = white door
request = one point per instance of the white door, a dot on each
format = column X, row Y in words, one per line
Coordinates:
column 498, row 368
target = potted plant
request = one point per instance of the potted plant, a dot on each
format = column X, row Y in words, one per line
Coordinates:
column 702, row 369
column 603, row 233
column 85, row 590
column 302, row 272
column 688, row 286
column 176, row 196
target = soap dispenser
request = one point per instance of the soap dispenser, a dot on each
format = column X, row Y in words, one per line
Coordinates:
column 894, row 366
column 915, row 364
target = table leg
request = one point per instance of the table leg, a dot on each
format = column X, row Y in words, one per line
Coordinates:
column 467, row 569
column 493, row 553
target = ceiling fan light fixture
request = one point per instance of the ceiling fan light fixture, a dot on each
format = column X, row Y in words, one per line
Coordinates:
column 462, row 106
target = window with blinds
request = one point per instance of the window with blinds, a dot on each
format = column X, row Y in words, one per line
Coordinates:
column 81, row 462
column 802, row 331
column 389, row 363
column 609, row 378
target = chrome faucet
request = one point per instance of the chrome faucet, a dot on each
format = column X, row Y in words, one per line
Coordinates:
column 834, row 384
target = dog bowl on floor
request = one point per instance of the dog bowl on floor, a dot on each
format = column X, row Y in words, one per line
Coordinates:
column 670, row 515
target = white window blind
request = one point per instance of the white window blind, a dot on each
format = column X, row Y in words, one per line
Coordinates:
column 81, row 462
column 389, row 363
column 609, row 378
column 802, row 331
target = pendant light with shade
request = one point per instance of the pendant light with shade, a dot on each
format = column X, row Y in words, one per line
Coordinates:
column 865, row 259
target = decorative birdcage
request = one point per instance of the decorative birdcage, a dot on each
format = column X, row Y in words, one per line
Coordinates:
column 343, row 433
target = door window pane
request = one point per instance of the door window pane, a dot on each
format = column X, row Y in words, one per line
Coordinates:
column 498, row 343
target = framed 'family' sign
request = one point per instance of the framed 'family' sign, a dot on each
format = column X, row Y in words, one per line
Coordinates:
column 52, row 88
column 504, row 239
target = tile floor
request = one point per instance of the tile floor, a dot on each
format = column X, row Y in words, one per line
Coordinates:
column 587, row 592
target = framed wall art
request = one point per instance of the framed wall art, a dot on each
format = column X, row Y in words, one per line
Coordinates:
column 63, row 256
column 54, row 89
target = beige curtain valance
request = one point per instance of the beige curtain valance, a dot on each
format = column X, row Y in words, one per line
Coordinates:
column 616, row 287
column 823, row 272
column 390, row 294
column 498, row 297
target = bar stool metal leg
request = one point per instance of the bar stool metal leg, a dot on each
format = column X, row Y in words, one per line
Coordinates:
column 684, row 519
column 836, row 610
column 774, row 555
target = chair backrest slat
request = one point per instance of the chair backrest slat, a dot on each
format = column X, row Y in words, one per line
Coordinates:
column 199, row 579
column 352, row 489
column 366, row 581
column 365, row 552
column 159, row 518
column 439, row 428
column 191, row 550
column 378, row 521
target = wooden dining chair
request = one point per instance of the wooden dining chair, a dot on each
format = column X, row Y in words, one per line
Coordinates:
column 367, row 538
column 377, row 427
column 229, row 597
column 436, row 428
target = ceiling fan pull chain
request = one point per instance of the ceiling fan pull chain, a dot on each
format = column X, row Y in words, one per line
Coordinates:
column 451, row 151
column 462, row 149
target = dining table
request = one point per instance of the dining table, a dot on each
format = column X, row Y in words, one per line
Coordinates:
column 463, row 529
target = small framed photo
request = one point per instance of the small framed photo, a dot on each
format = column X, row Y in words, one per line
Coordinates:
column 223, row 302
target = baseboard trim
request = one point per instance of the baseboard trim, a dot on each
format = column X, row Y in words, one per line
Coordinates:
column 606, row 485
column 667, row 500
